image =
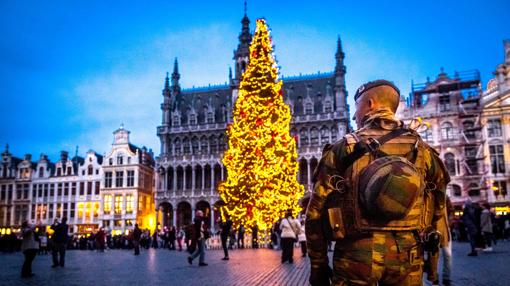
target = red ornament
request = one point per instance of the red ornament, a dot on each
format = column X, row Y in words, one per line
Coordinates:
column 259, row 122
column 280, row 92
column 254, row 54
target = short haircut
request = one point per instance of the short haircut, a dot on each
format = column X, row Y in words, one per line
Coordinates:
column 384, row 95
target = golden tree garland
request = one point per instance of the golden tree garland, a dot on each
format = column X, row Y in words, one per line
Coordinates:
column 261, row 159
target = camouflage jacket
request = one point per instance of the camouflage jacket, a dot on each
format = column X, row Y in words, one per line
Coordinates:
column 316, row 214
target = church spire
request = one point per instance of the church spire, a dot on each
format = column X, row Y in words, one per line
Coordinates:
column 242, row 53
column 166, row 89
column 339, row 56
column 175, row 74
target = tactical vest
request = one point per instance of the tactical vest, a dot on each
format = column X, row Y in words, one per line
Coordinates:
column 350, row 217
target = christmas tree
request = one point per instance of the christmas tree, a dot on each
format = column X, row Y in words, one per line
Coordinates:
column 261, row 159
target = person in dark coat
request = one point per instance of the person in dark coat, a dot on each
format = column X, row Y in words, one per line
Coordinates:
column 171, row 238
column 225, row 226
column 137, row 234
column 100, row 240
column 199, row 236
column 59, row 238
column 469, row 218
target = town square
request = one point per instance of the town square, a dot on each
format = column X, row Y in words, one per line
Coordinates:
column 255, row 143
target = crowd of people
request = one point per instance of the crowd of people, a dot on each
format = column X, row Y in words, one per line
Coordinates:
column 478, row 226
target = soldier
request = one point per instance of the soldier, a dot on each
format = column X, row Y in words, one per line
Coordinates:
column 377, row 193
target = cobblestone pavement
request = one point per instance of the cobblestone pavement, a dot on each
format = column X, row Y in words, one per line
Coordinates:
column 246, row 267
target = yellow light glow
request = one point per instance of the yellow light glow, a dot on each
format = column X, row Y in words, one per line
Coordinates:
column 261, row 160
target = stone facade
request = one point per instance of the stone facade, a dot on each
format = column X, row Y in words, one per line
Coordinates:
column 42, row 191
column 127, row 186
column 451, row 110
column 192, row 132
column 496, row 128
column 470, row 129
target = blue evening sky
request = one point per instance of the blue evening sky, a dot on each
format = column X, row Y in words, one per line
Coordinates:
column 72, row 71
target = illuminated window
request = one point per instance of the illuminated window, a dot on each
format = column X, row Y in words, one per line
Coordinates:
column 96, row 210
column 118, row 204
column 80, row 210
column 107, row 204
column 129, row 204
column 129, row 222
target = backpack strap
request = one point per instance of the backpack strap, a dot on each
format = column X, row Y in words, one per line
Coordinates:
column 361, row 148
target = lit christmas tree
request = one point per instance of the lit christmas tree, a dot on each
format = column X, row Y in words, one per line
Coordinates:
column 261, row 159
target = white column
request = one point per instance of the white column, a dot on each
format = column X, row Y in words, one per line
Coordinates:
column 192, row 213
column 212, row 180
column 174, row 216
column 165, row 181
column 223, row 173
column 203, row 179
column 308, row 177
column 212, row 220
column 174, row 180
column 184, row 179
column 193, row 176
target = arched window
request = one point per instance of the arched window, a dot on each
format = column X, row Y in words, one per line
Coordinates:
column 90, row 170
column 314, row 135
column 41, row 172
column 194, row 145
column 120, row 159
column 426, row 134
column 186, row 146
column 447, row 131
column 177, row 146
column 203, row 145
column 303, row 137
column 449, row 160
column 324, row 135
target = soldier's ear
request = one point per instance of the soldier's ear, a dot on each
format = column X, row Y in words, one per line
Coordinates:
column 371, row 103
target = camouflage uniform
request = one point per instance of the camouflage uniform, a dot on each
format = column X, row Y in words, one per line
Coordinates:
column 373, row 257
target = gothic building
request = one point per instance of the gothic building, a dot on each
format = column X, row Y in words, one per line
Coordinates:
column 193, row 138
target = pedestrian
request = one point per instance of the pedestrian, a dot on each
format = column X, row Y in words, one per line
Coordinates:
column 200, row 237
column 60, row 238
column 100, row 239
column 29, row 247
column 225, row 227
column 290, row 229
column 486, row 226
column 240, row 237
column 302, row 239
column 180, row 237
column 136, row 235
column 43, row 242
column 470, row 222
column 373, row 193
column 171, row 237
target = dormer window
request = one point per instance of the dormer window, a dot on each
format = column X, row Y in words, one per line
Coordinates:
column 110, row 161
column 328, row 107
column 308, row 108
column 444, row 103
column 192, row 119
column 210, row 117
column 59, row 171
column 69, row 171
column 120, row 160
column 90, row 170
column 176, row 121
column 41, row 172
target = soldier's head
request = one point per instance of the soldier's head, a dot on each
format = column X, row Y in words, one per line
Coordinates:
column 374, row 95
